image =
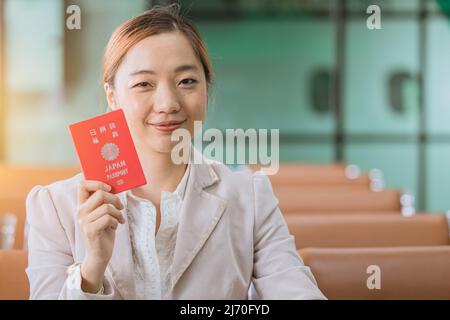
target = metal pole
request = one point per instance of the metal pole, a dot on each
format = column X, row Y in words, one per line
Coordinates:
column 339, row 81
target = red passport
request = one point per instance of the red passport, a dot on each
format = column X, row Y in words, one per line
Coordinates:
column 106, row 151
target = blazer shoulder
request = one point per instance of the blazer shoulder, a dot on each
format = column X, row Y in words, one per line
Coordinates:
column 242, row 180
column 63, row 187
column 59, row 192
column 53, row 204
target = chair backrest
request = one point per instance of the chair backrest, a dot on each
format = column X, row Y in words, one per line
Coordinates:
column 13, row 280
column 369, row 230
column 296, row 174
column 398, row 272
column 336, row 199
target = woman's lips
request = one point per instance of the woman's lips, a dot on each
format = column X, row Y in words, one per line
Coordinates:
column 168, row 126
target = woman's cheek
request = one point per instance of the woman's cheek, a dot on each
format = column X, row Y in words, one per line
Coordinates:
column 135, row 123
column 198, row 103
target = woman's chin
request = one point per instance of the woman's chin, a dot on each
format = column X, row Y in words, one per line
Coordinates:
column 163, row 145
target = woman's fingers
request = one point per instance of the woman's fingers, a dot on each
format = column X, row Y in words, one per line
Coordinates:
column 104, row 209
column 86, row 187
column 97, row 199
column 100, row 197
column 104, row 222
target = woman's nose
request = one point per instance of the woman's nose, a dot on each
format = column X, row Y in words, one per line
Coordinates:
column 166, row 100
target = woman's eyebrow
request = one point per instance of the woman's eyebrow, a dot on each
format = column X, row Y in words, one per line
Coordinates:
column 186, row 67
column 135, row 73
column 182, row 68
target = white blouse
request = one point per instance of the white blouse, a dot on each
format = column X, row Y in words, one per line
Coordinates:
column 152, row 255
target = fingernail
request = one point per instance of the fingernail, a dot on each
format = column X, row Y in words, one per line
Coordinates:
column 108, row 187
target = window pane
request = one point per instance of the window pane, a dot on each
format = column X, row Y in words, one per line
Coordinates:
column 381, row 64
column 34, row 80
column 264, row 70
column 40, row 103
column 437, row 86
column 438, row 182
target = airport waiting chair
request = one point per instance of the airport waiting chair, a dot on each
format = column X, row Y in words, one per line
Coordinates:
column 296, row 174
column 336, row 199
column 368, row 230
column 13, row 280
column 421, row 272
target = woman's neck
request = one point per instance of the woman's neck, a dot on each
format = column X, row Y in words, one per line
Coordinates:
column 161, row 175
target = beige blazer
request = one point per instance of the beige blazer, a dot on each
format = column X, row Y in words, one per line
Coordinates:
column 231, row 237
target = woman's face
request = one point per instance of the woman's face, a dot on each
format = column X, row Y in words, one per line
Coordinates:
column 161, row 86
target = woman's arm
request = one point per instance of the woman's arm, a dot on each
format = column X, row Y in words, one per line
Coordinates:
column 51, row 270
column 278, row 272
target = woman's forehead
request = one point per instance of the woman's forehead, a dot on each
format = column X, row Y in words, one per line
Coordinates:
column 159, row 53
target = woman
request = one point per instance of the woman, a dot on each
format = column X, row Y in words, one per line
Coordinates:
column 219, row 233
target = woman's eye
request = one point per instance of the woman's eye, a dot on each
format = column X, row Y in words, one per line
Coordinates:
column 188, row 81
column 142, row 85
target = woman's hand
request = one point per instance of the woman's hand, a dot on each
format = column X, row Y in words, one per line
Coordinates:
column 98, row 215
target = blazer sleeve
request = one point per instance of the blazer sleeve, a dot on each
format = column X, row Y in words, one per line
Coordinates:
column 278, row 271
column 50, row 259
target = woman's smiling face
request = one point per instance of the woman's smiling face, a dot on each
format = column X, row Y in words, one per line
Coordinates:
column 161, row 86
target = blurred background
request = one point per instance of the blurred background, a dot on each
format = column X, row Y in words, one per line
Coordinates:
column 338, row 91
column 363, row 117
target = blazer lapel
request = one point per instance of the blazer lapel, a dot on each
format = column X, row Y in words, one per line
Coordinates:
column 121, row 264
column 199, row 215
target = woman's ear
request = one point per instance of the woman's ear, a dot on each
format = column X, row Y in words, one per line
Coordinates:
column 109, row 91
